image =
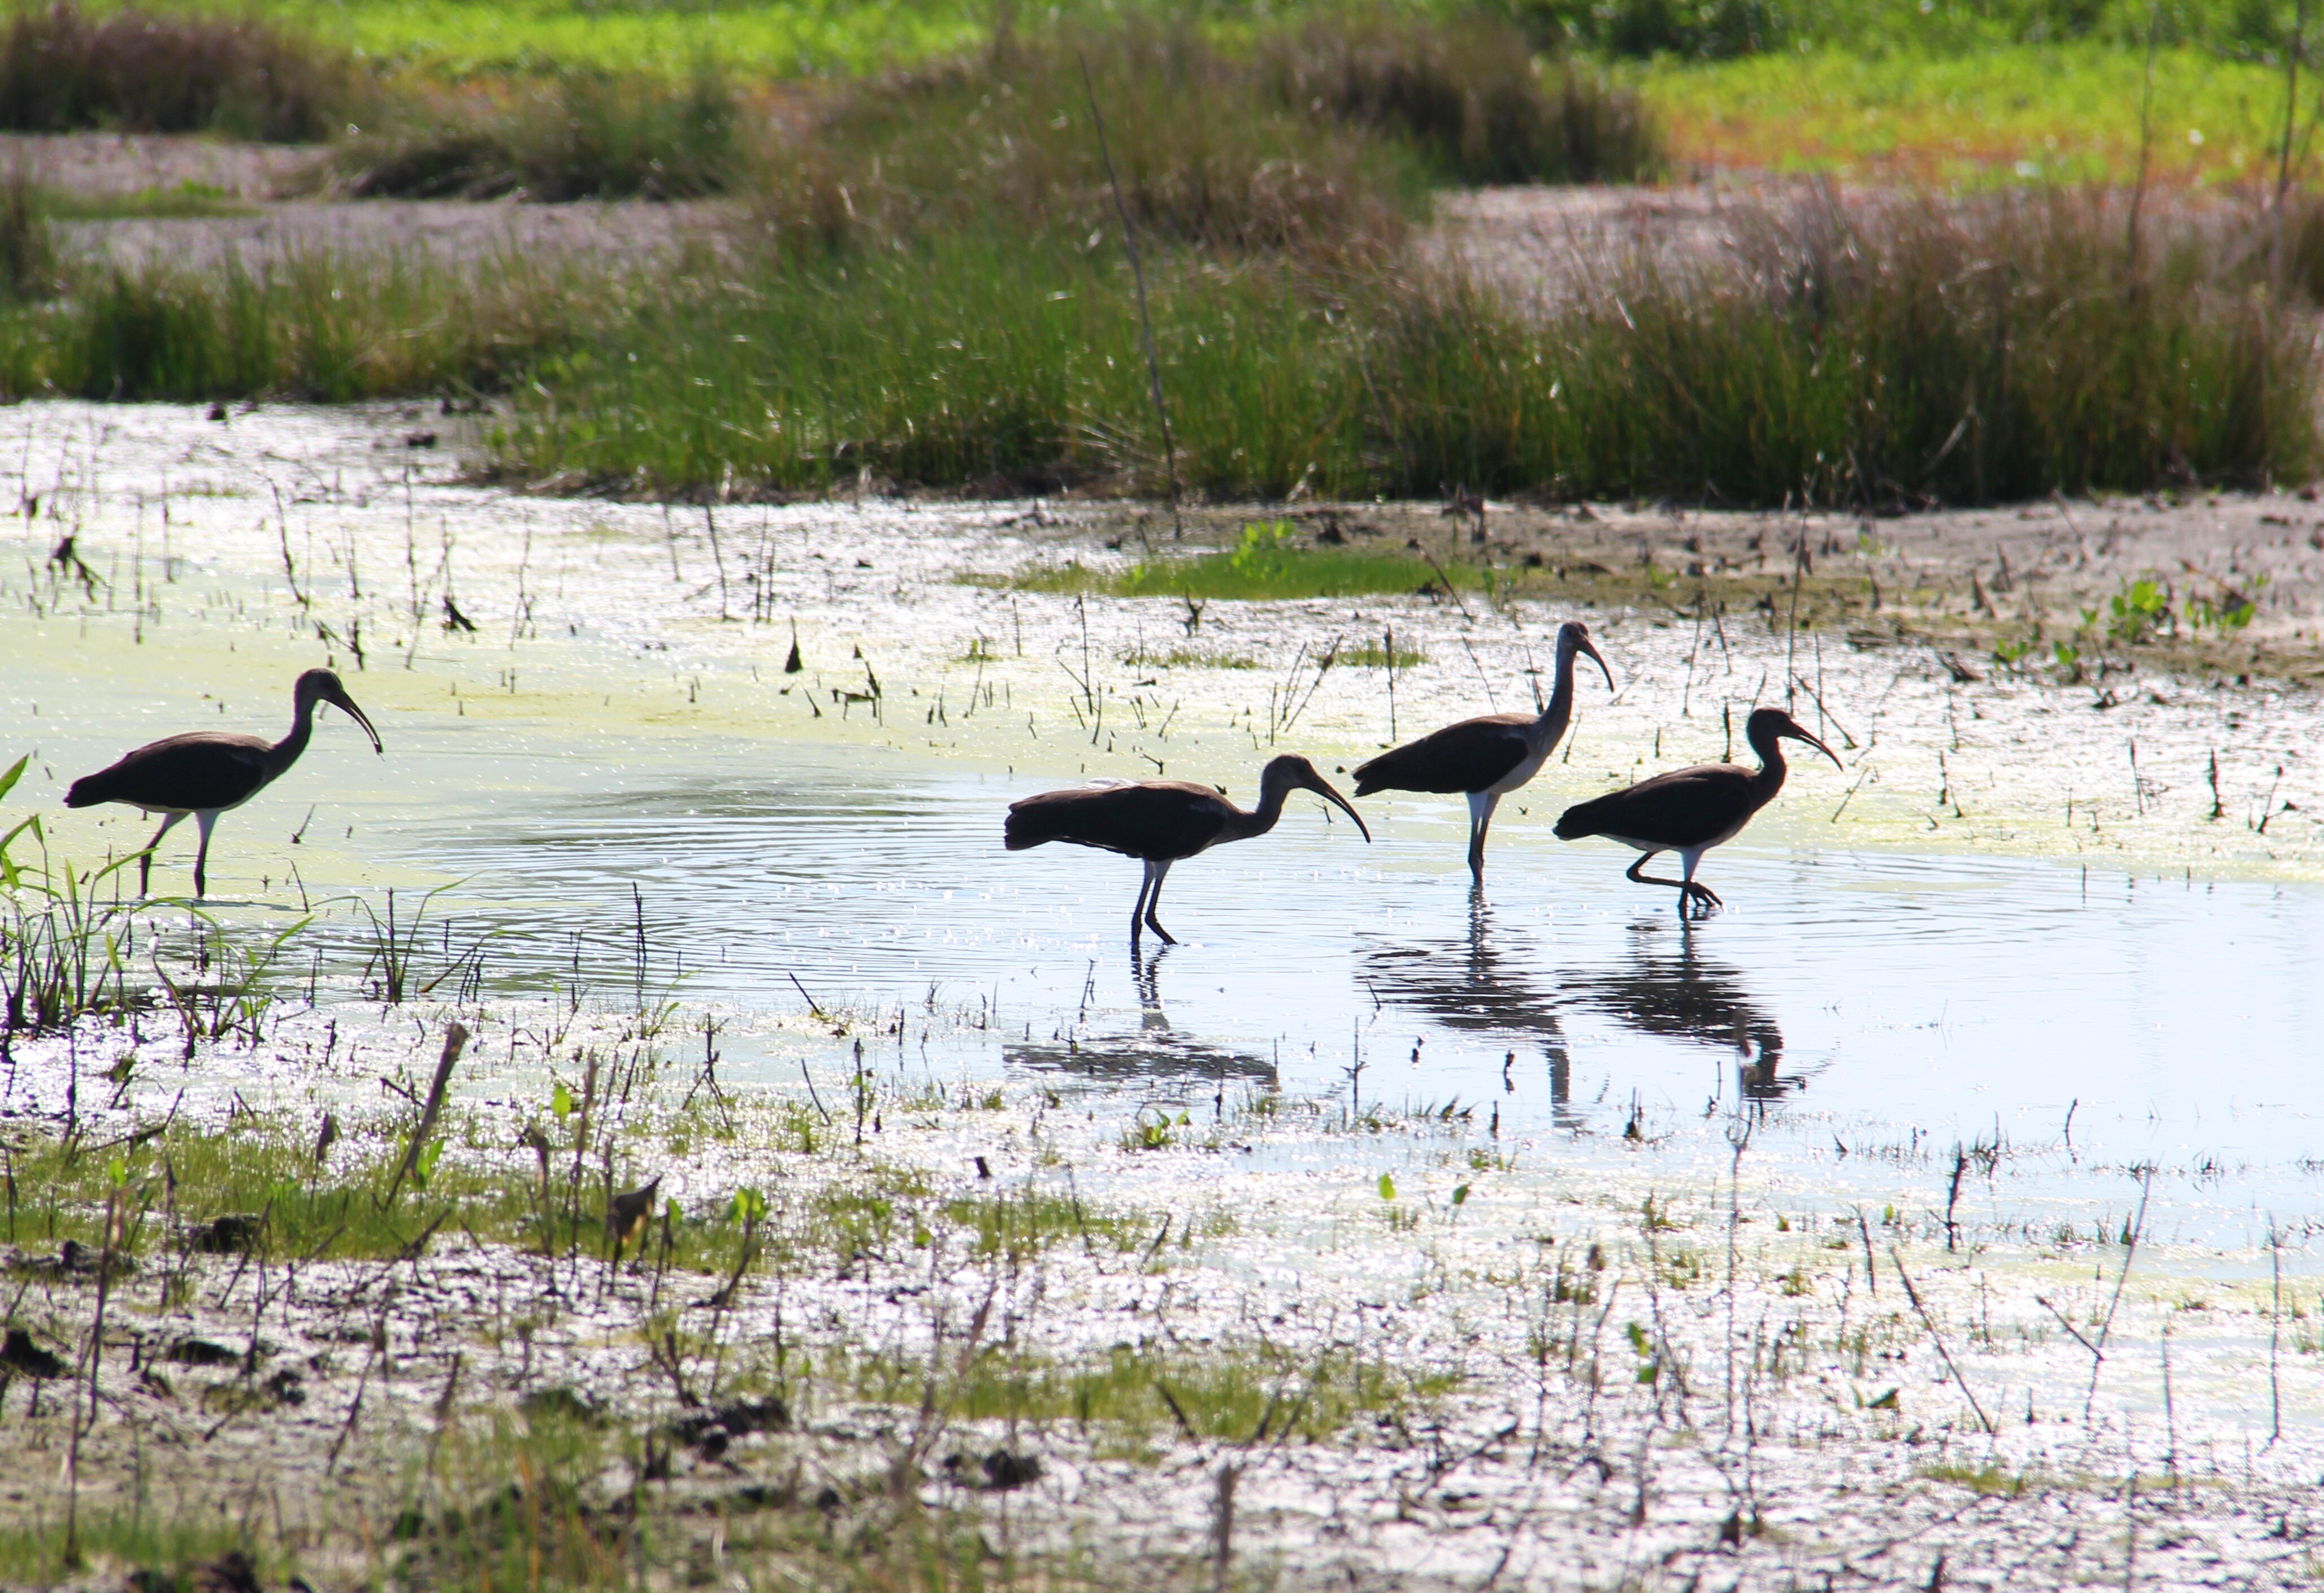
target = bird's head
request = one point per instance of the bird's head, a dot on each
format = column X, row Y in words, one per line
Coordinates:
column 1767, row 724
column 322, row 686
column 1292, row 772
column 1573, row 637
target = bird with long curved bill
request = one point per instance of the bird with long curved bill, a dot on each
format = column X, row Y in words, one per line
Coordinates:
column 1487, row 758
column 1690, row 811
column 208, row 771
column 1162, row 821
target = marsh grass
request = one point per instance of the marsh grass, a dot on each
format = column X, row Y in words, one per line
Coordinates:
column 317, row 325
column 1918, row 352
column 1140, row 1395
column 29, row 267
column 169, row 1551
column 1468, row 91
column 155, row 70
column 65, row 935
column 1006, row 142
column 1269, row 562
column 579, row 135
column 186, row 199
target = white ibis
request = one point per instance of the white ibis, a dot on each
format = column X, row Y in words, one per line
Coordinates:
column 206, row 772
column 1161, row 822
column 1690, row 811
column 1486, row 758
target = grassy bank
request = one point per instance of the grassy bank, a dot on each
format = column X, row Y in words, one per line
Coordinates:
column 1847, row 362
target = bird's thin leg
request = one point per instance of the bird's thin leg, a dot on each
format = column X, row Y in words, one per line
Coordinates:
column 206, row 819
column 1154, row 900
column 1703, row 896
column 145, row 863
column 1685, row 888
column 1482, row 804
column 1138, row 908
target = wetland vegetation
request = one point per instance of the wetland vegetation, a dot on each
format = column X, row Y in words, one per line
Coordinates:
column 412, row 1237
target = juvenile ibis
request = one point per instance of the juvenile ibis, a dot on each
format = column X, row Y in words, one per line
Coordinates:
column 1486, row 758
column 1690, row 811
column 1161, row 822
column 206, row 772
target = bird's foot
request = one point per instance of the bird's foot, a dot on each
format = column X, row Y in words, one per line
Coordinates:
column 1702, row 897
column 1167, row 938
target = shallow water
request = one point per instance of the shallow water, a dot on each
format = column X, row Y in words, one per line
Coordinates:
column 1960, row 997
column 1869, row 992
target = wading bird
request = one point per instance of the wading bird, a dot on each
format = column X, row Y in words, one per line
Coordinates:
column 1486, row 758
column 1162, row 821
column 1690, row 811
column 206, row 772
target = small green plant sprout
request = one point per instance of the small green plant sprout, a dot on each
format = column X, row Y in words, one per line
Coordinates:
column 2068, row 658
column 1650, row 1365
column 1151, row 1130
column 560, row 1101
column 2141, row 609
column 1459, row 1195
column 748, row 1207
column 2010, row 651
column 2231, row 611
column 1386, row 1187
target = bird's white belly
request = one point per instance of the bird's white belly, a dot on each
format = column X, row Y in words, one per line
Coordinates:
column 1527, row 767
column 1720, row 839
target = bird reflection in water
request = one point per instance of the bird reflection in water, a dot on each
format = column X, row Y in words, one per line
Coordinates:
column 1690, row 996
column 1154, row 1051
column 1474, row 985
column 1471, row 986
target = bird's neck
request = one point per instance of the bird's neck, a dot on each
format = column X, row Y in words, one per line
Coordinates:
column 1551, row 725
column 285, row 751
column 1769, row 779
column 1261, row 818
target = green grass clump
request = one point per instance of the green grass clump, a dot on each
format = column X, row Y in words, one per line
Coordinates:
column 317, row 325
column 1218, row 1391
column 185, row 198
column 1269, row 562
column 1925, row 352
column 579, row 135
column 63, row 69
column 1468, row 92
column 1007, row 141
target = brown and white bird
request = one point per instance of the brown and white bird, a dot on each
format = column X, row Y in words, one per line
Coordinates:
column 1690, row 811
column 1161, row 822
column 206, row 772
column 1486, row 758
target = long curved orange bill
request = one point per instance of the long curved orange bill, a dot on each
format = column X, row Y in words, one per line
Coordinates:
column 1600, row 661
column 1323, row 789
column 347, row 705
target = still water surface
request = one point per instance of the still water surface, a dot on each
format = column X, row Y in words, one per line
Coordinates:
column 1868, row 994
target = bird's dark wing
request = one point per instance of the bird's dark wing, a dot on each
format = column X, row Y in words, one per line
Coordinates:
column 1684, row 807
column 1161, row 818
column 1468, row 756
column 185, row 774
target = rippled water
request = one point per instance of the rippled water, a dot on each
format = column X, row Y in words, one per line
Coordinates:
column 1879, row 993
